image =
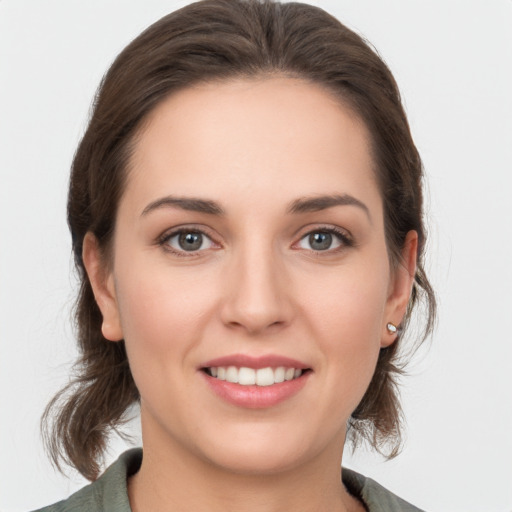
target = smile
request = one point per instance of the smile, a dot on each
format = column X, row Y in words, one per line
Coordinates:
column 249, row 376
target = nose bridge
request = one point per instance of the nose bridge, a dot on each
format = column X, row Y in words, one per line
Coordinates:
column 256, row 297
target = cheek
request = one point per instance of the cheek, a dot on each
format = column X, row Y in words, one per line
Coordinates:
column 347, row 318
column 162, row 312
column 351, row 301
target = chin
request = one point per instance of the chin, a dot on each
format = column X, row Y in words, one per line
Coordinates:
column 257, row 461
column 263, row 452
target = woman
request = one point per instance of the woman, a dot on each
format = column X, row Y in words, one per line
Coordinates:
column 246, row 214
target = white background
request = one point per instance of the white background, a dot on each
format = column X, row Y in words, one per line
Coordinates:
column 453, row 62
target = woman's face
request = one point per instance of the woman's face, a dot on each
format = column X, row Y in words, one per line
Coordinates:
column 249, row 245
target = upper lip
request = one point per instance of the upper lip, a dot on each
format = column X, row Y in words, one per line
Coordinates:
column 247, row 361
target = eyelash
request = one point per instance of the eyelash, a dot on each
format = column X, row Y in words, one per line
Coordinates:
column 164, row 240
column 342, row 236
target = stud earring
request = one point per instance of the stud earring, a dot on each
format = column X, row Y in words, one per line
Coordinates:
column 392, row 328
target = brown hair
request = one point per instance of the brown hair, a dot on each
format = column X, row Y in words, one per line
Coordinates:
column 205, row 41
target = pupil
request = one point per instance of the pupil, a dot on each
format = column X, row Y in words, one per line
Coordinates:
column 190, row 241
column 320, row 241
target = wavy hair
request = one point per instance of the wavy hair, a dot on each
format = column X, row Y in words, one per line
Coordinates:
column 218, row 40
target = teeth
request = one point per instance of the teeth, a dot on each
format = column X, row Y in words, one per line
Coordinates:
column 232, row 374
column 265, row 377
column 250, row 377
column 279, row 374
column 246, row 376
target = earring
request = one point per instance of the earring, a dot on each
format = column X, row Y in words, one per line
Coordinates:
column 392, row 328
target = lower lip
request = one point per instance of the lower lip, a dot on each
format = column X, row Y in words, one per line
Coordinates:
column 256, row 397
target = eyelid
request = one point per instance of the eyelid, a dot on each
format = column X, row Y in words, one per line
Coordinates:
column 164, row 238
column 342, row 234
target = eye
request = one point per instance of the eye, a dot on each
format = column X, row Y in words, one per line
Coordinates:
column 323, row 240
column 187, row 241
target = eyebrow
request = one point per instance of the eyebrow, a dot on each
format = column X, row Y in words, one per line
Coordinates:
column 185, row 203
column 301, row 205
column 318, row 203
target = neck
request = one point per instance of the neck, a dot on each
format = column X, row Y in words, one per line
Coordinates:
column 174, row 479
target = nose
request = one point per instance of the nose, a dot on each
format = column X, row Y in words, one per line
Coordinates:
column 256, row 295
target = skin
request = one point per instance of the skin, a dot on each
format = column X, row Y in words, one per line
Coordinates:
column 257, row 286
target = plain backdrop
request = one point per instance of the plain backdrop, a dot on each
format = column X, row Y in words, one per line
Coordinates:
column 453, row 62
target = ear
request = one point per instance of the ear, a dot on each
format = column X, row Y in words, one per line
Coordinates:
column 400, row 287
column 102, row 282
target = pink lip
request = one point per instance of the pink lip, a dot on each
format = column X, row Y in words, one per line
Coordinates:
column 266, row 361
column 256, row 397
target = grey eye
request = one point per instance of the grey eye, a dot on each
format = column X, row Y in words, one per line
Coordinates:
column 189, row 241
column 320, row 241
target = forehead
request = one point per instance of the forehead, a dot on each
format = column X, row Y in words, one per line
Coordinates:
column 222, row 139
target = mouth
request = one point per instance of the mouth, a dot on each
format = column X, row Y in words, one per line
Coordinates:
column 255, row 382
column 246, row 376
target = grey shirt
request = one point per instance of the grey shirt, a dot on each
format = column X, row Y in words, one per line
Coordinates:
column 109, row 493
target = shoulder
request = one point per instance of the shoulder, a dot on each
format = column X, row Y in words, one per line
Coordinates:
column 108, row 493
column 375, row 496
